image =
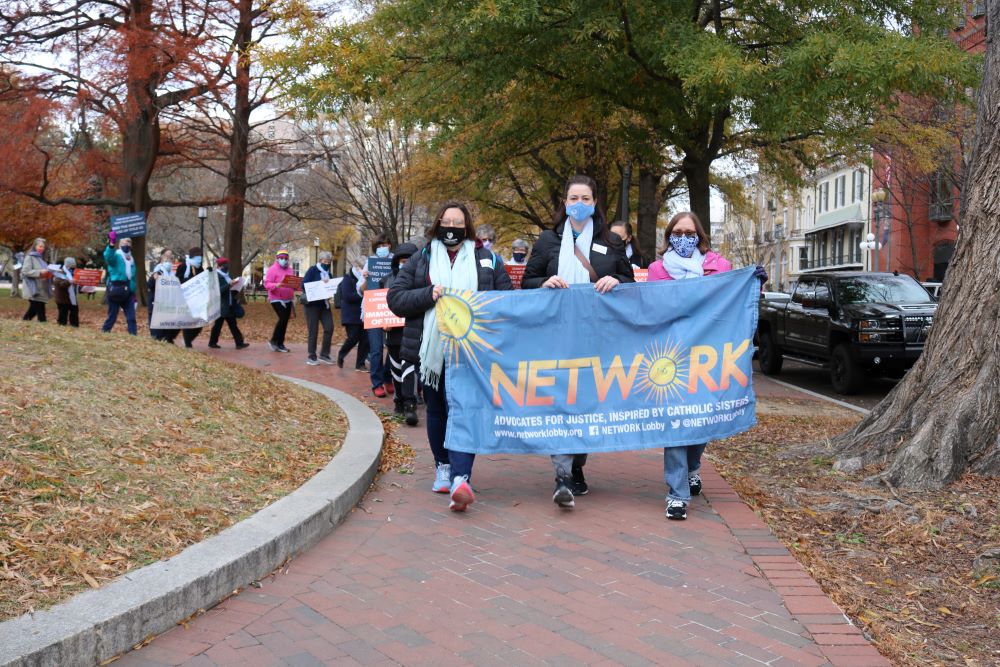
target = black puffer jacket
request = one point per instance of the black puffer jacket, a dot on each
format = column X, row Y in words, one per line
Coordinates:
column 410, row 293
column 607, row 258
column 394, row 336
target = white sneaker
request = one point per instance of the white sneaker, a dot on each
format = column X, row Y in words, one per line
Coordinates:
column 442, row 479
column 461, row 494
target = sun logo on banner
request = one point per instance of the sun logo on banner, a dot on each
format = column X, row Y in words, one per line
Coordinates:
column 462, row 318
column 664, row 370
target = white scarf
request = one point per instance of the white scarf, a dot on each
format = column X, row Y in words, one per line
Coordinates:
column 324, row 274
column 165, row 268
column 189, row 269
column 463, row 275
column 570, row 267
column 129, row 264
column 680, row 268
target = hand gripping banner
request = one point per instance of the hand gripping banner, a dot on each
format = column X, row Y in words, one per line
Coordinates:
column 561, row 371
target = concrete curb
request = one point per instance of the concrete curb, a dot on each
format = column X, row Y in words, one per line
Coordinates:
column 99, row 624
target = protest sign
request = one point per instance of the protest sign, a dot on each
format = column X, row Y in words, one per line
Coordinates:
column 318, row 290
column 641, row 275
column 193, row 304
column 516, row 274
column 87, row 277
column 378, row 268
column 129, row 225
column 377, row 313
column 571, row 370
column 294, row 282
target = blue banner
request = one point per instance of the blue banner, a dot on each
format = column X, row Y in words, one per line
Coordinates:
column 131, row 225
column 562, row 371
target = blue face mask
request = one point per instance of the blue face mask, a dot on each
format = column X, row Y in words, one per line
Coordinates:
column 282, row 263
column 683, row 245
column 382, row 252
column 195, row 261
column 580, row 211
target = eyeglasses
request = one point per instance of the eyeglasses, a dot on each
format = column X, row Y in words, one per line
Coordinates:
column 454, row 222
column 688, row 235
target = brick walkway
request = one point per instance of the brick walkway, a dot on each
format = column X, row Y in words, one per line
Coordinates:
column 515, row 581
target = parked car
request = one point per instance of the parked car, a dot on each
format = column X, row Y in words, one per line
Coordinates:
column 934, row 289
column 853, row 323
column 775, row 296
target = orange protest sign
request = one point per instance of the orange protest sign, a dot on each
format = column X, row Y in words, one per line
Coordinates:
column 516, row 274
column 87, row 277
column 295, row 282
column 377, row 313
column 641, row 275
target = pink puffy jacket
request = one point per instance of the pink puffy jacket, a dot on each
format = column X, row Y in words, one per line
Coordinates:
column 275, row 274
column 713, row 263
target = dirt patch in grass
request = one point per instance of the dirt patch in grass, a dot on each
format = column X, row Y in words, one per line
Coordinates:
column 257, row 325
column 117, row 451
column 899, row 563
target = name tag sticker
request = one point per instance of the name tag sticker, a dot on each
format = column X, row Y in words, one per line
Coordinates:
column 486, row 263
column 600, row 248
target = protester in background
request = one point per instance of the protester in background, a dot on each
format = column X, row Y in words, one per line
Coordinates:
column 403, row 372
column 632, row 251
column 192, row 267
column 451, row 259
column 282, row 299
column 688, row 254
column 36, row 281
column 350, row 317
column 377, row 368
column 318, row 311
column 65, row 295
column 165, row 267
column 590, row 253
column 15, row 284
column 121, row 283
column 229, row 308
column 519, row 252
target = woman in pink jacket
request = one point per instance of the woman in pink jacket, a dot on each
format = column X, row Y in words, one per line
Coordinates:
column 282, row 299
column 688, row 255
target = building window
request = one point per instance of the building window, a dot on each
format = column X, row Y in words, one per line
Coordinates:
column 857, row 185
column 978, row 9
column 839, row 192
column 270, row 131
column 288, row 191
column 803, row 258
column 823, row 200
column 295, row 267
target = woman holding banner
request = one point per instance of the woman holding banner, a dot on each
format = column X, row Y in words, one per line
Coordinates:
column 589, row 254
column 452, row 258
column 281, row 298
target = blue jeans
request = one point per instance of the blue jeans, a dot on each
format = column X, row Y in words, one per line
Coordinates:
column 437, row 425
column 376, row 358
column 113, row 308
column 678, row 463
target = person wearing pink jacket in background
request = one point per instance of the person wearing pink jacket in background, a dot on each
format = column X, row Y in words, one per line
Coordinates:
column 282, row 299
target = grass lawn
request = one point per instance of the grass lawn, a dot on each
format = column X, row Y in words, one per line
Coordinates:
column 117, row 451
column 899, row 563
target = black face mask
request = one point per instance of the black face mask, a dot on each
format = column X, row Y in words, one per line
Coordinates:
column 126, row 249
column 451, row 236
column 519, row 256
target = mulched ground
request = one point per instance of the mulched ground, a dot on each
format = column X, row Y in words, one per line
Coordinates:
column 900, row 563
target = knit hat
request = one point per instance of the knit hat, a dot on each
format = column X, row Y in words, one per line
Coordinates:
column 281, row 251
column 194, row 252
column 221, row 261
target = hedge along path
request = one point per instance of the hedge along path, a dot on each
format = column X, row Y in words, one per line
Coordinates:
column 117, row 451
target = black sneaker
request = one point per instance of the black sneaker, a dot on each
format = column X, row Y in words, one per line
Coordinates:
column 282, row 348
column 410, row 414
column 677, row 510
column 579, row 484
column 242, row 346
column 563, row 496
column 694, row 481
column 215, row 346
column 340, row 362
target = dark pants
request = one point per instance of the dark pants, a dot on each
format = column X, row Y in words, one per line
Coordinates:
column 437, row 424
column 128, row 308
column 404, row 378
column 35, row 309
column 564, row 463
column 284, row 312
column 68, row 313
column 376, row 358
column 213, row 338
column 189, row 335
column 316, row 315
column 355, row 336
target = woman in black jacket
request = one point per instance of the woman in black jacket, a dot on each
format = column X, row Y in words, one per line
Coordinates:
column 632, row 250
column 452, row 258
column 590, row 254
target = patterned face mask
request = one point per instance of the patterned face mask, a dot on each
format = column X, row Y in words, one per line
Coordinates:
column 683, row 245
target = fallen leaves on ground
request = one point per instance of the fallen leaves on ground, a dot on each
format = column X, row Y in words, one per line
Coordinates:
column 117, row 451
column 899, row 563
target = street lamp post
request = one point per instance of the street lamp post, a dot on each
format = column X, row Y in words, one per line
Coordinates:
column 202, row 214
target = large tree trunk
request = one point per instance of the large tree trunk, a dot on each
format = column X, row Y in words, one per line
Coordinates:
column 943, row 419
column 697, row 174
column 649, row 210
column 236, row 189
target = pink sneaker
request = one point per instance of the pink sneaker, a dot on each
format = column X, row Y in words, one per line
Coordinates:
column 461, row 494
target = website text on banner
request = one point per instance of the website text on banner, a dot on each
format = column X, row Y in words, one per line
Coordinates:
column 561, row 371
column 376, row 311
column 193, row 304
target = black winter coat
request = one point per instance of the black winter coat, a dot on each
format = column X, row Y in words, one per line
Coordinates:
column 410, row 294
column 544, row 260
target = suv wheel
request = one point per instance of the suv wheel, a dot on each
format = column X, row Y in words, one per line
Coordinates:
column 846, row 375
column 769, row 357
